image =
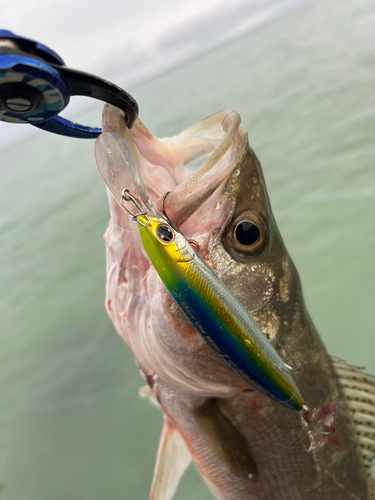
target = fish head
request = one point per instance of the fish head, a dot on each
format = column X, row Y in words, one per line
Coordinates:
column 222, row 207
column 249, row 255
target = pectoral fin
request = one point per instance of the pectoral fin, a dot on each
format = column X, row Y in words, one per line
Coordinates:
column 172, row 459
column 359, row 390
column 225, row 441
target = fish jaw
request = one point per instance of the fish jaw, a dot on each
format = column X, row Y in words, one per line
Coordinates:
column 288, row 458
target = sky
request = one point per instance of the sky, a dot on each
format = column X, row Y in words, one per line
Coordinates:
column 129, row 41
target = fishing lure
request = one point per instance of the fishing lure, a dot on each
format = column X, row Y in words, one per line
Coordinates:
column 210, row 307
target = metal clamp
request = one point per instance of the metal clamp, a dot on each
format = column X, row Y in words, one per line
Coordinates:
column 126, row 196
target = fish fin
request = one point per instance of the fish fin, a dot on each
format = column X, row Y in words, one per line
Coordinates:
column 145, row 392
column 224, row 441
column 359, row 390
column 172, row 459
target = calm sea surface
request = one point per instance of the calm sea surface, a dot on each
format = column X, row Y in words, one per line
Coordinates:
column 72, row 425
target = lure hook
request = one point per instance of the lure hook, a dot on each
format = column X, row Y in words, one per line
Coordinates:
column 164, row 212
column 294, row 368
column 192, row 242
column 196, row 244
column 126, row 196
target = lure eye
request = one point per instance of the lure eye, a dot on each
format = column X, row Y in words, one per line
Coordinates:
column 165, row 234
column 247, row 235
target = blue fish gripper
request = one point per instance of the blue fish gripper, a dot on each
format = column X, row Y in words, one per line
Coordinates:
column 36, row 85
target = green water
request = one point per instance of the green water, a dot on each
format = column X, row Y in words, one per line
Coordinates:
column 72, row 425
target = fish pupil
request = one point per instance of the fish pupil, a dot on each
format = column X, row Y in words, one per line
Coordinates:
column 165, row 234
column 246, row 233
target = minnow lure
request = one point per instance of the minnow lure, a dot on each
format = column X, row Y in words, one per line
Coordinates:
column 213, row 311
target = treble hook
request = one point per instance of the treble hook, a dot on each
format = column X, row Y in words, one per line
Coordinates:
column 192, row 242
column 126, row 196
column 290, row 368
column 296, row 368
column 165, row 213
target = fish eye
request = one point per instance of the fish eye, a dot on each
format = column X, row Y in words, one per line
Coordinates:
column 247, row 235
column 165, row 233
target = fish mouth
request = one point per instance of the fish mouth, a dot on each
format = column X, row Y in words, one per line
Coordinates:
column 150, row 167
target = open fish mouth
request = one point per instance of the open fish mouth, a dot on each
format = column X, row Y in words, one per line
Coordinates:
column 163, row 342
column 155, row 167
column 228, row 329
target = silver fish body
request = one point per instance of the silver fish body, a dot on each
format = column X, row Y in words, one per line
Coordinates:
column 246, row 446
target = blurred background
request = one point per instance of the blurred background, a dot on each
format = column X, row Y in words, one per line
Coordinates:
column 302, row 76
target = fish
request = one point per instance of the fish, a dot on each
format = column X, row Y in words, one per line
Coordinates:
column 245, row 445
column 209, row 306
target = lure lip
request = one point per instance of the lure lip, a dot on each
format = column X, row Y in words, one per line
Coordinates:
column 120, row 171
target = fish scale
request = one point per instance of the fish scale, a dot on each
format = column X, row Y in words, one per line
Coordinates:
column 359, row 389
